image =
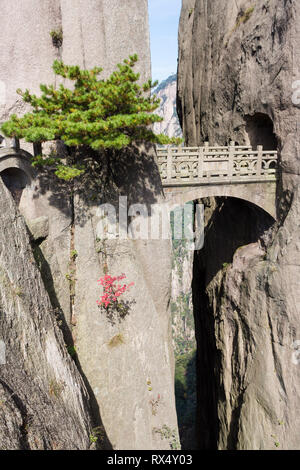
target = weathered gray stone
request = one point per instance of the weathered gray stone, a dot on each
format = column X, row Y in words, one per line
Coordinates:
column 95, row 32
column 43, row 401
column 48, row 198
column 126, row 377
column 239, row 61
column 39, row 228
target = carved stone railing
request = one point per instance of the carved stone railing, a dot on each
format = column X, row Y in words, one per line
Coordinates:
column 6, row 142
column 210, row 165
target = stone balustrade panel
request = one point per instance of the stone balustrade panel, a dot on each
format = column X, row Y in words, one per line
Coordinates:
column 184, row 164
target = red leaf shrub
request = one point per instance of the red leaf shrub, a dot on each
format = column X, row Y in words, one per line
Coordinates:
column 112, row 290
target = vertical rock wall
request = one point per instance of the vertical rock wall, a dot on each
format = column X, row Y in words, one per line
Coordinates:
column 127, row 366
column 128, row 360
column 43, row 401
column 97, row 32
column 236, row 62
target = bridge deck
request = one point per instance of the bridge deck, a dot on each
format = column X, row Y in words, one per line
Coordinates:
column 194, row 166
column 197, row 166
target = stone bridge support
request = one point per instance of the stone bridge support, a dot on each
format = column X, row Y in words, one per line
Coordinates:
column 14, row 158
column 16, row 171
column 262, row 194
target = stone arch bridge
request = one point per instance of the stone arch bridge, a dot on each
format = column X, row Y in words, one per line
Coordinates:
column 16, row 170
column 16, row 158
column 190, row 173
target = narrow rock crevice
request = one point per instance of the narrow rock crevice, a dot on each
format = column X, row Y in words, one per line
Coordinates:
column 229, row 225
column 71, row 276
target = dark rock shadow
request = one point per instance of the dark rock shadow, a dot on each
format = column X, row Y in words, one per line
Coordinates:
column 117, row 314
column 132, row 172
column 103, row 443
column 233, row 223
column 207, row 425
column 186, row 399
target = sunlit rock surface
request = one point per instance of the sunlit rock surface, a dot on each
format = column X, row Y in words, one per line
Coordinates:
column 237, row 65
column 124, row 378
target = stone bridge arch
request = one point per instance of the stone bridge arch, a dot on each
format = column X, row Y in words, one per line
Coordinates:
column 13, row 158
column 261, row 194
column 16, row 170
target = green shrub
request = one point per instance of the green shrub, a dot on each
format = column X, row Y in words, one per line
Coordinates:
column 57, row 37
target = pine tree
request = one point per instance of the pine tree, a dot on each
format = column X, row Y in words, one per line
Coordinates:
column 95, row 113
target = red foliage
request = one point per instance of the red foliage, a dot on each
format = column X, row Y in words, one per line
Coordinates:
column 112, row 290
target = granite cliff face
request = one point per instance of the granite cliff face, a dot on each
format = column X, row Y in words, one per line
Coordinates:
column 94, row 32
column 237, row 66
column 126, row 363
column 43, row 401
column 166, row 91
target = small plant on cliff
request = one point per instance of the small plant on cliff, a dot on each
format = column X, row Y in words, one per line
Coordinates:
column 73, row 255
column 97, row 434
column 98, row 115
column 72, row 350
column 57, row 37
column 155, row 402
column 112, row 291
column 242, row 18
column 170, row 435
column 247, row 15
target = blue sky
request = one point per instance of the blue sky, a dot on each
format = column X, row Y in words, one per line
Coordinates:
column 164, row 19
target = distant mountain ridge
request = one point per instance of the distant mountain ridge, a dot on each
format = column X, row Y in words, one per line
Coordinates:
column 166, row 91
